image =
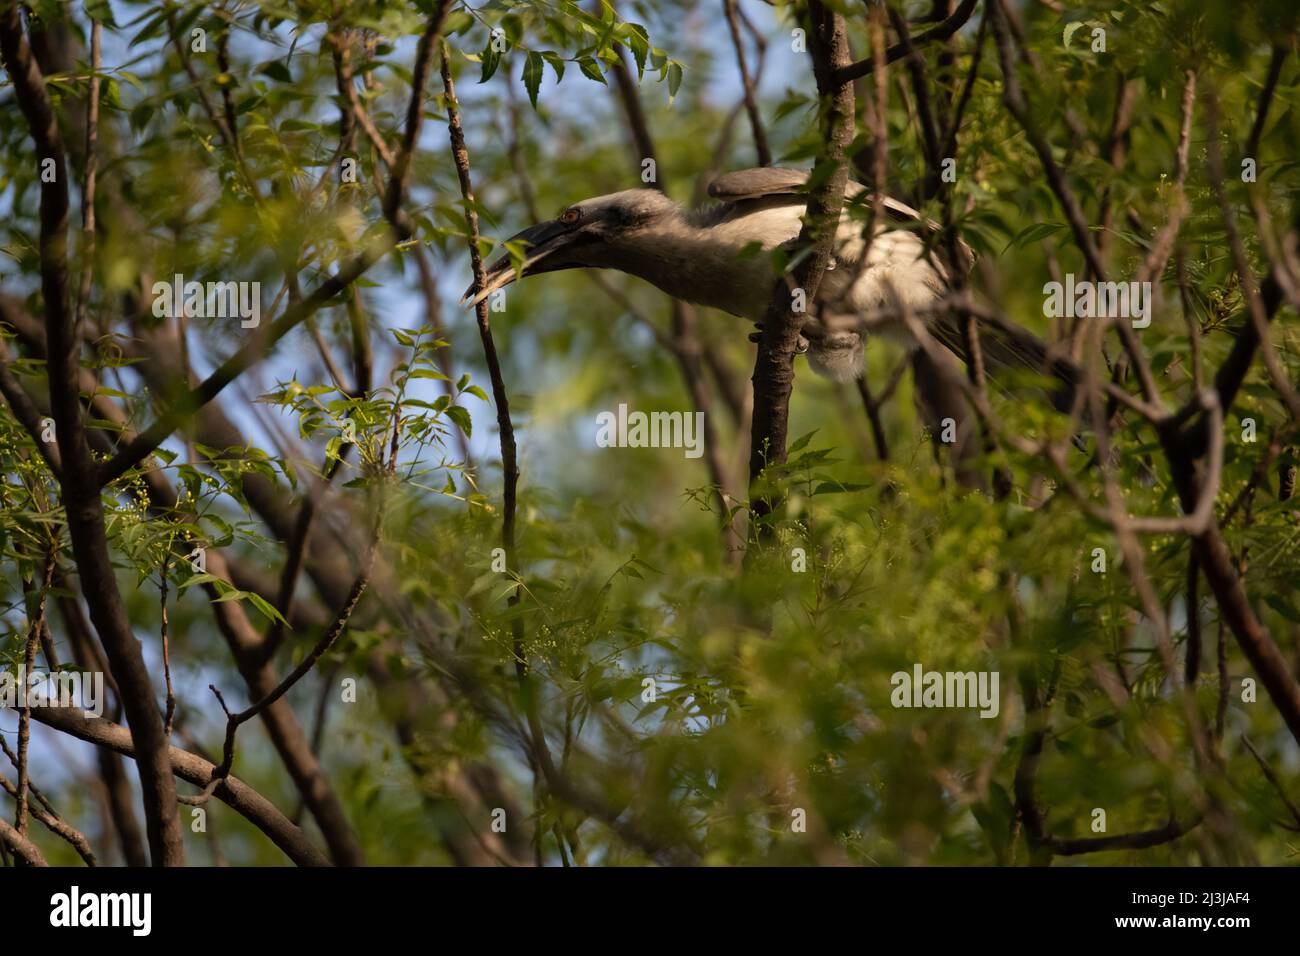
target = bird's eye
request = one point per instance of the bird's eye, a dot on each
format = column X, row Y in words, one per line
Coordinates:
column 570, row 216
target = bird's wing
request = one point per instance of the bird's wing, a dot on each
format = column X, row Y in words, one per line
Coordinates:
column 765, row 182
column 758, row 182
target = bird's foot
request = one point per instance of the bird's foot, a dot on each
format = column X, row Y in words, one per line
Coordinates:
column 754, row 336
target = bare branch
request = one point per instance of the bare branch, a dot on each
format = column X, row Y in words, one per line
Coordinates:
column 331, row 636
column 1016, row 105
column 1139, row 840
column 92, row 170
column 81, row 489
column 56, row 825
column 1265, row 99
column 849, row 72
column 1249, row 291
column 233, row 792
column 747, row 82
column 18, row 844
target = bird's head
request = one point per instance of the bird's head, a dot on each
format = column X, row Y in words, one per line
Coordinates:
column 593, row 233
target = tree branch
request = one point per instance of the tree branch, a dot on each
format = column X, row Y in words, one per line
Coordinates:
column 80, row 485
column 18, row 844
column 233, row 792
column 848, row 72
column 774, row 366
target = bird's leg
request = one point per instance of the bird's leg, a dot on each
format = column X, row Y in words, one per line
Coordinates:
column 758, row 334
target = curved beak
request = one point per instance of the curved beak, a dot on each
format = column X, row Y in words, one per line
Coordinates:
column 540, row 242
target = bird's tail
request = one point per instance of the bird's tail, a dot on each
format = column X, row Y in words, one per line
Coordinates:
column 1005, row 347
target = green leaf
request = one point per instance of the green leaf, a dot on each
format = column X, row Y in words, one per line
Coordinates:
column 557, row 64
column 102, row 11
column 1036, row 233
column 197, row 579
column 1284, row 607
column 491, row 59
column 140, row 115
column 674, row 80
column 638, row 41
column 462, row 419
column 277, row 71
column 267, row 609
column 801, row 442
column 533, row 68
column 591, row 69
column 838, row 487
column 458, row 23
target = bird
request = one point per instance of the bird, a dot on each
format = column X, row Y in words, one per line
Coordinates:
column 719, row 256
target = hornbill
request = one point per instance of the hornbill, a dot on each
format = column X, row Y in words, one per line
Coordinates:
column 719, row 256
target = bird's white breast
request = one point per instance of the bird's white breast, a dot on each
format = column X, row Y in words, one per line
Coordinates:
column 719, row 267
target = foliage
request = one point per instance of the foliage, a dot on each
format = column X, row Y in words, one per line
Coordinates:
column 772, row 684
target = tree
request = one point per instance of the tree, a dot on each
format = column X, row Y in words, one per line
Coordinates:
column 252, row 443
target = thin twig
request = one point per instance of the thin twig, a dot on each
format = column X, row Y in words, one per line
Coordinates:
column 747, row 82
column 328, row 640
column 540, row 752
column 852, row 71
column 1249, row 290
column 56, row 825
column 170, row 714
